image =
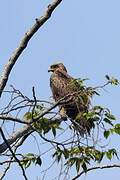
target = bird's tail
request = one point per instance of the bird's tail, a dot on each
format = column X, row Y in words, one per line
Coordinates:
column 82, row 125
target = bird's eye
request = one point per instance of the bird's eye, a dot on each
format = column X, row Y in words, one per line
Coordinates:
column 54, row 66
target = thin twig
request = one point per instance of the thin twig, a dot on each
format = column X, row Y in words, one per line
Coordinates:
column 102, row 86
column 35, row 102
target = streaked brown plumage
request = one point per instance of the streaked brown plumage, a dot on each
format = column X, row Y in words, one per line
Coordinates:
column 76, row 100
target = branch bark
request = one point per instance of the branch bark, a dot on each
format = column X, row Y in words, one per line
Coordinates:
column 27, row 129
column 20, row 133
column 23, row 44
column 10, row 118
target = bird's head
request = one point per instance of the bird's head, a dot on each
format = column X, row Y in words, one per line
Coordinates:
column 57, row 67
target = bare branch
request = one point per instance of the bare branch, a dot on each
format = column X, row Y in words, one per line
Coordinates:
column 10, row 118
column 23, row 44
column 97, row 167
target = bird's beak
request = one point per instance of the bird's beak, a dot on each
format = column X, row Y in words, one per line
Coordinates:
column 50, row 70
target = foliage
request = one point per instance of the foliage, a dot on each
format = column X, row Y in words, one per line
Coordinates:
column 79, row 156
column 29, row 159
column 74, row 150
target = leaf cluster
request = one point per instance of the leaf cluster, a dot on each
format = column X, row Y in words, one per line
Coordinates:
column 81, row 157
column 29, row 159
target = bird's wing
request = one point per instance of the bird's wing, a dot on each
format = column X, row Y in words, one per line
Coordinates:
column 59, row 83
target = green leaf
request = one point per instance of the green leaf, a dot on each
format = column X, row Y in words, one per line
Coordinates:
column 27, row 116
column 78, row 165
column 89, row 115
column 91, row 155
column 84, row 166
column 100, row 108
column 108, row 121
column 95, row 92
column 59, row 157
column 109, row 155
column 110, row 116
column 114, row 81
column 39, row 161
column 30, row 155
column 24, row 162
column 27, row 164
column 112, row 130
column 39, row 107
column 107, row 77
column 114, row 152
column 71, row 161
column 66, row 153
column 58, row 154
column 106, row 134
column 54, row 132
column 117, row 129
column 99, row 156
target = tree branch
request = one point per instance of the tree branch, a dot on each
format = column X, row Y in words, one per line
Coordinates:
column 23, row 44
column 97, row 167
column 27, row 129
column 14, row 119
column 20, row 133
column 13, row 154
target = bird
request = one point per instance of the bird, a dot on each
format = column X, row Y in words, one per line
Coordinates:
column 73, row 99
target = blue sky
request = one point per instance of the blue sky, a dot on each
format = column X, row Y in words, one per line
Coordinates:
column 84, row 35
